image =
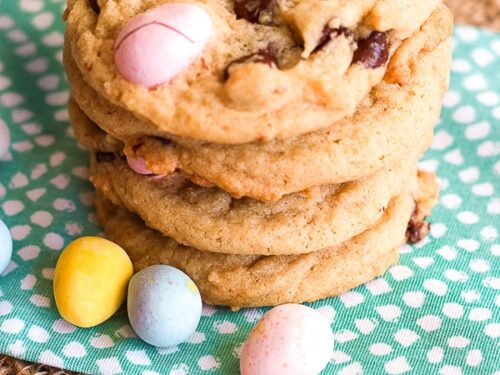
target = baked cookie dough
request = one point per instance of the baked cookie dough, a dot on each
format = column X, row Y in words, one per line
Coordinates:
column 252, row 280
column 270, row 69
column 381, row 132
column 210, row 219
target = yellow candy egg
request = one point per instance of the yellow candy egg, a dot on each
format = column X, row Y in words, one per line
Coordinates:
column 90, row 280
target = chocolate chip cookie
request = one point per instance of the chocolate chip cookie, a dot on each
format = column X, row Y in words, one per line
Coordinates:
column 384, row 128
column 253, row 280
column 269, row 69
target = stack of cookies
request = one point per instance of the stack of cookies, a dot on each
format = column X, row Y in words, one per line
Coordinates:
column 267, row 148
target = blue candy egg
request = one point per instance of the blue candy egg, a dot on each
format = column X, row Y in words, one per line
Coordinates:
column 164, row 305
column 5, row 246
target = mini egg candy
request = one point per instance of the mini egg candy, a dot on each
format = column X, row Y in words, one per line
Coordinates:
column 90, row 281
column 5, row 246
column 164, row 305
column 4, row 139
column 290, row 339
column 157, row 45
column 138, row 165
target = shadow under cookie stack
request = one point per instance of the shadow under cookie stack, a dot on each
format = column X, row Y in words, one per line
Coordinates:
column 266, row 148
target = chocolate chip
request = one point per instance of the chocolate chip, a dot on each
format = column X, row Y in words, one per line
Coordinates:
column 417, row 227
column 105, row 157
column 372, row 51
column 266, row 56
column 328, row 34
column 251, row 9
column 95, row 7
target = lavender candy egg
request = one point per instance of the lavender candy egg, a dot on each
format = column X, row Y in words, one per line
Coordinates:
column 290, row 339
column 5, row 247
column 164, row 305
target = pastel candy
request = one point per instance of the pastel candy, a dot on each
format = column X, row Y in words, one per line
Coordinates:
column 5, row 246
column 157, row 45
column 289, row 340
column 4, row 139
column 138, row 165
column 90, row 280
column 164, row 305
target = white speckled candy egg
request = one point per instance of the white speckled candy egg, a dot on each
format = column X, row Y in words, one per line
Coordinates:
column 290, row 339
column 5, row 246
column 164, row 305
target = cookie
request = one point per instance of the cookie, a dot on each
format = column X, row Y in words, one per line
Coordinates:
column 210, row 219
column 252, row 280
column 385, row 126
column 268, row 69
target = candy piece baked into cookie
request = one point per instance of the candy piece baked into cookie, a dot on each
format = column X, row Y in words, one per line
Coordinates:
column 399, row 110
column 249, row 281
column 242, row 70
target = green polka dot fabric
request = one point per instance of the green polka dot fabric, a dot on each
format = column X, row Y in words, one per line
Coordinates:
column 437, row 312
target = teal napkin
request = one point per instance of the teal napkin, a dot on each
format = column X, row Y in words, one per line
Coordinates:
column 438, row 311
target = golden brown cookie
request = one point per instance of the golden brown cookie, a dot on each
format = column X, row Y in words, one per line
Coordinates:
column 282, row 69
column 210, row 219
column 253, row 280
column 384, row 128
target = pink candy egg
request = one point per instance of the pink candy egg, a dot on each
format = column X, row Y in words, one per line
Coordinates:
column 289, row 340
column 157, row 45
column 138, row 165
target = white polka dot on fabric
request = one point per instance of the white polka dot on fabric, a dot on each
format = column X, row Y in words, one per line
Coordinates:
column 12, row 326
column 43, row 20
column 429, row 323
column 488, row 233
column 479, row 314
column 74, row 350
column 406, row 337
column 475, row 82
column 458, row 342
column 451, row 201
column 38, row 334
column 488, row 98
column 5, row 308
column 389, row 313
column 468, row 217
column 447, row 252
column 467, row 34
column 478, row 131
column 366, row 326
column 482, row 56
column 442, row 140
column 450, row 370
column 464, row 114
column 451, row 98
column 436, row 287
column 453, row 310
column 460, row 66
column 398, row 365
column 414, row 299
column 474, row 358
column 49, row 358
column 138, row 357
column 53, row 241
column 380, row 349
column 208, row 362
column 489, row 148
column 109, row 366
column 351, row 299
column 454, row 157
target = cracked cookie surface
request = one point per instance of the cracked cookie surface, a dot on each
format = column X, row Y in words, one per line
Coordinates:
column 381, row 132
column 320, row 60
